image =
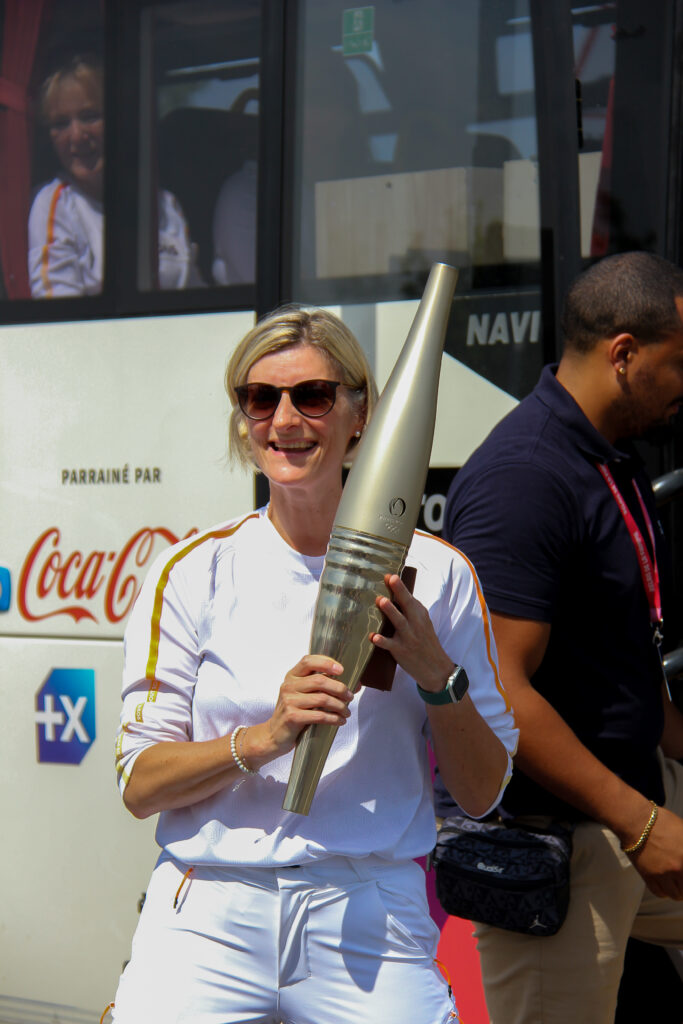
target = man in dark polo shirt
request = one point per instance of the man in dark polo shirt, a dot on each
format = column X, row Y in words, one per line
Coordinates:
column 558, row 516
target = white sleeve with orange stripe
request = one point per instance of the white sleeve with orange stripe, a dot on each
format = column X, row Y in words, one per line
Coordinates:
column 161, row 662
column 463, row 625
column 474, row 645
column 65, row 243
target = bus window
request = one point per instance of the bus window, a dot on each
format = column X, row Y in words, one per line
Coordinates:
column 594, row 63
column 594, row 58
column 66, row 220
column 415, row 139
column 626, row 117
column 198, row 144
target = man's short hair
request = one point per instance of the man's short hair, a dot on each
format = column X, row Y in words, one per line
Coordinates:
column 630, row 293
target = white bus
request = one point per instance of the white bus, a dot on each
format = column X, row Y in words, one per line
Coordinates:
column 267, row 151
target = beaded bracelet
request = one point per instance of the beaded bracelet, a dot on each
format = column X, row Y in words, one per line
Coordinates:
column 642, row 839
column 243, row 767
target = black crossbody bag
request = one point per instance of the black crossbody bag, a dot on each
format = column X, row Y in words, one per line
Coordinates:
column 504, row 875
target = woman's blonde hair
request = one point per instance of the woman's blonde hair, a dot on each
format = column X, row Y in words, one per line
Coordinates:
column 284, row 328
column 86, row 70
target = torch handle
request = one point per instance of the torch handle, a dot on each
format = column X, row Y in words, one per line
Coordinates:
column 345, row 615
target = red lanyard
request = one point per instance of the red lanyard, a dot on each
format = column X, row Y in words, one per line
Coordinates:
column 648, row 565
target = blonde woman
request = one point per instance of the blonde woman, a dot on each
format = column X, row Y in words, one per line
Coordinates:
column 253, row 913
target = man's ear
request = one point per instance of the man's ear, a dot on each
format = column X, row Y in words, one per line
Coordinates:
column 620, row 352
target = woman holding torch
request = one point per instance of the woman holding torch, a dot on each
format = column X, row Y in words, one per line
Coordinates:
column 253, row 913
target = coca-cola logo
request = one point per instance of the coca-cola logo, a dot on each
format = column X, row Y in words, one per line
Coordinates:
column 91, row 586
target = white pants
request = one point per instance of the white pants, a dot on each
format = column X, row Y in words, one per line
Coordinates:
column 331, row 942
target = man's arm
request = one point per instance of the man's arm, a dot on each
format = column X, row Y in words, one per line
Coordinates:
column 550, row 753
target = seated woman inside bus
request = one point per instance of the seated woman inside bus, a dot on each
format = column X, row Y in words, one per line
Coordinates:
column 66, row 222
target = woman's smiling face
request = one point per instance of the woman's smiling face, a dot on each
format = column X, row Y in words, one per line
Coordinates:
column 76, row 123
column 293, row 450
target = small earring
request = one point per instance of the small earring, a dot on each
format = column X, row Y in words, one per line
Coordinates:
column 357, row 434
column 622, row 371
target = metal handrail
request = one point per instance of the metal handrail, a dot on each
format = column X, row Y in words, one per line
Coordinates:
column 673, row 664
column 668, row 486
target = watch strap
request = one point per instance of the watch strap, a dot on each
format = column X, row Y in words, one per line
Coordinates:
column 453, row 692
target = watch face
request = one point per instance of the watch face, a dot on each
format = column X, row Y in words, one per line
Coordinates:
column 454, row 690
column 458, row 684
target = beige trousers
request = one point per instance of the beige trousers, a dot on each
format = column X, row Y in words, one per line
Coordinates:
column 574, row 975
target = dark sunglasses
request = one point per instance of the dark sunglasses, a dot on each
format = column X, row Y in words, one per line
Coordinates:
column 309, row 397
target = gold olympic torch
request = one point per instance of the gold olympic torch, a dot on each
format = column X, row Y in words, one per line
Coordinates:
column 376, row 518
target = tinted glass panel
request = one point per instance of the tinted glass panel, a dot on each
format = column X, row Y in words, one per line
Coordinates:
column 415, row 140
column 198, row 144
column 625, row 55
column 594, row 65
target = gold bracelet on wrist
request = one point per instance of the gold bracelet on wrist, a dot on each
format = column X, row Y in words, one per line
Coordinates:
column 642, row 839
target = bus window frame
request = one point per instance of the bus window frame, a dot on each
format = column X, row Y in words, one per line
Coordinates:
column 121, row 296
column 209, row 297
column 275, row 258
column 368, row 288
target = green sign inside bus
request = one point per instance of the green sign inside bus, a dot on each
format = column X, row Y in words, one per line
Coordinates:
column 358, row 26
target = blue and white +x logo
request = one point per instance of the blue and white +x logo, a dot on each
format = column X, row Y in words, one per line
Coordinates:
column 65, row 715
